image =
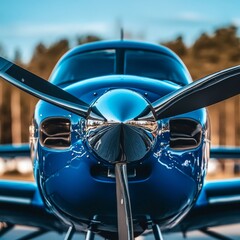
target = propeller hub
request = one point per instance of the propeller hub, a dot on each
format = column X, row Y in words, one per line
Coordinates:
column 119, row 133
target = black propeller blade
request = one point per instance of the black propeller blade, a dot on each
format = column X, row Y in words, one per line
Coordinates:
column 201, row 93
column 125, row 222
column 41, row 88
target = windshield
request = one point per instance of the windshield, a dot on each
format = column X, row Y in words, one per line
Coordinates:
column 155, row 65
column 84, row 66
column 121, row 61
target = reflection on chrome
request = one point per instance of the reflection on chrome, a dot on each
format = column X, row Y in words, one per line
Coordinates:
column 56, row 133
column 128, row 141
column 121, row 137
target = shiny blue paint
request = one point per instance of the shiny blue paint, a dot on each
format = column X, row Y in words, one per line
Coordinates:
column 75, row 181
column 120, row 105
column 91, row 89
column 217, row 204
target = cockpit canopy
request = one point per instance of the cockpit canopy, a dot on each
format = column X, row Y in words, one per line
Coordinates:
column 158, row 63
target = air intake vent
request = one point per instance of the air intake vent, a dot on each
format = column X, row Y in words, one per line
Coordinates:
column 56, row 133
column 184, row 133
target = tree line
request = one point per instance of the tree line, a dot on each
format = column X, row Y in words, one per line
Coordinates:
column 208, row 54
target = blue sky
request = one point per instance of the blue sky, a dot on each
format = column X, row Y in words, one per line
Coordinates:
column 25, row 23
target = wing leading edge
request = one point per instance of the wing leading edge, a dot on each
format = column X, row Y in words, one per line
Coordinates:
column 20, row 203
column 218, row 204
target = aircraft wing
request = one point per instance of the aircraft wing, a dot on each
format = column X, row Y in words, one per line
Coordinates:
column 219, row 200
column 21, row 204
column 218, row 204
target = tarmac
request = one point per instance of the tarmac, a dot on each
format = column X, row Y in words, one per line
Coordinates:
column 230, row 231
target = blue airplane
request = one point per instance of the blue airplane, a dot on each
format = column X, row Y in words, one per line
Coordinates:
column 120, row 142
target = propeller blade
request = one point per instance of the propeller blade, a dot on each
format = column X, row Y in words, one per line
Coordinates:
column 41, row 88
column 201, row 93
column 125, row 222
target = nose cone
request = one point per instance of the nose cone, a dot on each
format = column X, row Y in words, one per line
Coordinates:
column 120, row 105
column 121, row 136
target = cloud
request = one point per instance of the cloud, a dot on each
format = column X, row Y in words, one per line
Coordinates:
column 183, row 19
column 236, row 22
column 65, row 29
column 191, row 16
column 194, row 18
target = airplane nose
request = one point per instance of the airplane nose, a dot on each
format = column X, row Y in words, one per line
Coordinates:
column 120, row 135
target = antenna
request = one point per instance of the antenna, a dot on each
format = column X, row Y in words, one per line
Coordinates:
column 122, row 33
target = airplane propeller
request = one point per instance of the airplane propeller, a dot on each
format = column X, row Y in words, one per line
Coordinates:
column 41, row 88
column 125, row 223
column 201, row 93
